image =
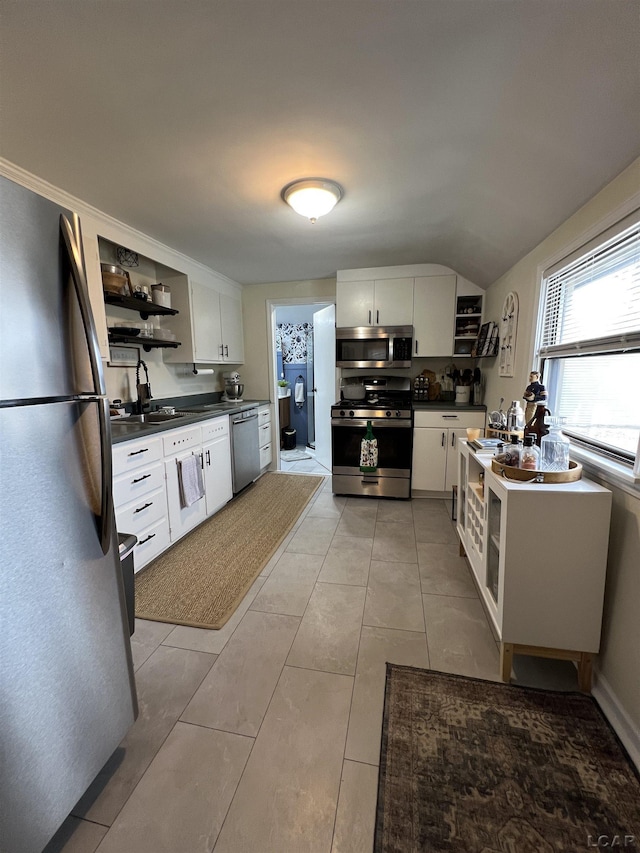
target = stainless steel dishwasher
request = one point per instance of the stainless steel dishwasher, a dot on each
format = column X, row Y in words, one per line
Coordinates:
column 245, row 449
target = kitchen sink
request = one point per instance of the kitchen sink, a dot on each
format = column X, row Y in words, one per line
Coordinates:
column 154, row 418
column 123, row 427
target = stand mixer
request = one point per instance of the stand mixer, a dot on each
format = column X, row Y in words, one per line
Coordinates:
column 233, row 388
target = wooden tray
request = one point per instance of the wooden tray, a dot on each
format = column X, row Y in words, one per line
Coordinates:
column 523, row 475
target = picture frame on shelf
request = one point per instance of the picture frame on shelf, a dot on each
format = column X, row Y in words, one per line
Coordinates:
column 123, row 356
column 481, row 342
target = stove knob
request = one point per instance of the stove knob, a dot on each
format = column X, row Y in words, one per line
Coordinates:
column 352, row 413
column 388, row 414
column 341, row 413
column 398, row 413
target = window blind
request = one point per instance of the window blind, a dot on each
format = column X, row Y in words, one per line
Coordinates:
column 592, row 301
column 589, row 341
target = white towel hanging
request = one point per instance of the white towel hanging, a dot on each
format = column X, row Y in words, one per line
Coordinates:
column 299, row 392
column 190, row 480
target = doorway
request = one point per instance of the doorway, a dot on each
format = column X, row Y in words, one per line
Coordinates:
column 303, row 356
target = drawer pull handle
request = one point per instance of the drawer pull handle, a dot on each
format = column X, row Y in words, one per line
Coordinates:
column 443, row 439
column 136, row 452
column 140, row 508
column 450, row 417
column 150, row 536
column 140, row 479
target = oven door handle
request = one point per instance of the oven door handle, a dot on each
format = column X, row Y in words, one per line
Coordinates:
column 362, row 422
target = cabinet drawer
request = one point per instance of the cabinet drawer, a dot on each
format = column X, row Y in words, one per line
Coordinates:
column 264, row 415
column 152, row 541
column 147, row 509
column 181, row 439
column 446, row 419
column 130, row 486
column 264, row 434
column 215, row 428
column 265, row 456
column 133, row 454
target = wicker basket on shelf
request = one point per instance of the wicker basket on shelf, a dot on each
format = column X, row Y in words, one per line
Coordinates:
column 523, row 475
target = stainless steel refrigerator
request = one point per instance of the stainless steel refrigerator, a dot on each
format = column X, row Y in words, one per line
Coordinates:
column 67, row 692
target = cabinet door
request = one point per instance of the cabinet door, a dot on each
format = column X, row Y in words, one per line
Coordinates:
column 434, row 299
column 205, row 318
column 429, row 459
column 354, row 303
column 452, row 456
column 232, row 333
column 181, row 519
column 393, row 302
column 217, row 473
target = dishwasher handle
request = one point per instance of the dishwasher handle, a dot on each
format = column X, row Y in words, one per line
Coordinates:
column 245, row 420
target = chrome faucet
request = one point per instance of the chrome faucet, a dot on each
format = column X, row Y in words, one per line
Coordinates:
column 144, row 389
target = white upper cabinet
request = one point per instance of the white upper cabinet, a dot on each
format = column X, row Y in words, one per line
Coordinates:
column 418, row 295
column 205, row 321
column 209, row 324
column 375, row 302
column 354, row 303
column 434, row 302
column 232, row 329
column 393, row 302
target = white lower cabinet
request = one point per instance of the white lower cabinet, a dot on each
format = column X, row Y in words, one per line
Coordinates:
column 179, row 445
column 538, row 553
column 264, row 436
column 146, row 490
column 216, row 453
column 139, row 497
column 435, row 447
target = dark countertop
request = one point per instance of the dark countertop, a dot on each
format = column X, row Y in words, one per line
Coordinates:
column 438, row 406
column 123, row 429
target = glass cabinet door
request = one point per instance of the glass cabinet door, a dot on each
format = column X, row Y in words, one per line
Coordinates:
column 493, row 538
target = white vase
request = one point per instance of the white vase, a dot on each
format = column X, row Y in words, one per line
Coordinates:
column 284, row 392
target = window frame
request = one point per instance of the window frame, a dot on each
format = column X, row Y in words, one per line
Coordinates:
column 624, row 473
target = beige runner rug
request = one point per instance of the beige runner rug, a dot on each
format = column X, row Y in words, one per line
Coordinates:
column 201, row 579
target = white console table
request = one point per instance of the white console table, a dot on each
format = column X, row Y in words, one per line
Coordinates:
column 538, row 554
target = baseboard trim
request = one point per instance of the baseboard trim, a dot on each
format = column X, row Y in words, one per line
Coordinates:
column 620, row 721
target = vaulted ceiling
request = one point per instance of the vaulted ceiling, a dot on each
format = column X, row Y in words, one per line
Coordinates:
column 462, row 131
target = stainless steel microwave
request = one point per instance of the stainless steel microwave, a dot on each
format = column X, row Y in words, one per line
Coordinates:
column 374, row 346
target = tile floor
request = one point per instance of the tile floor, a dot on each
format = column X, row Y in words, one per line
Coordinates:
column 264, row 736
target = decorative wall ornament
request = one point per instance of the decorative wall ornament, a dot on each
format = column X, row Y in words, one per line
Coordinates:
column 126, row 257
column 508, row 333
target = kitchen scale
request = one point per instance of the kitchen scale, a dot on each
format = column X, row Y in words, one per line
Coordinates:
column 233, row 388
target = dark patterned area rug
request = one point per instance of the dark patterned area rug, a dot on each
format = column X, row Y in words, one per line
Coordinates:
column 471, row 766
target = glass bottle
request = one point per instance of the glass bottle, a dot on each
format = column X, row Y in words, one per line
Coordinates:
column 554, row 448
column 512, row 453
column 530, row 456
column 369, row 451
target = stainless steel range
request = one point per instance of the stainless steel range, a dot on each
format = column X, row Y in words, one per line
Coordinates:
column 386, row 402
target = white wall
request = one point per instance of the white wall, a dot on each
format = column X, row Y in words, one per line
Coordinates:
column 255, row 372
column 618, row 665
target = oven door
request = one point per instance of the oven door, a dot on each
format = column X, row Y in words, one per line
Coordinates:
column 394, row 447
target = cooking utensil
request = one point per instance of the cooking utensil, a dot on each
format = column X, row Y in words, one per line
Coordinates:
column 113, row 269
column 131, row 331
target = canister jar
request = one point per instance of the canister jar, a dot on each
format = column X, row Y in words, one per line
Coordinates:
column 161, row 295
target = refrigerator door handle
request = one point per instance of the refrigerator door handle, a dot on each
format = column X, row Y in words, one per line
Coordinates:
column 69, row 236
column 106, row 511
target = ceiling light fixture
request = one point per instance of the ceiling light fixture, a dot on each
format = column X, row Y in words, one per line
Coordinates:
column 312, row 197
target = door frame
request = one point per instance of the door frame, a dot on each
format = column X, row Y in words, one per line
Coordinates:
column 272, row 306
